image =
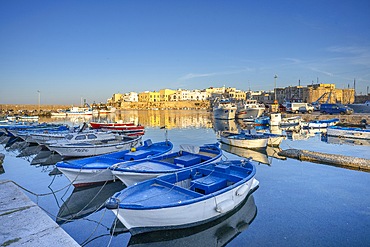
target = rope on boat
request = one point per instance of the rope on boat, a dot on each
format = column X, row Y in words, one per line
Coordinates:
column 86, row 240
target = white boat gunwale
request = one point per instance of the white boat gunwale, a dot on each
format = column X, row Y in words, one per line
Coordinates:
column 197, row 197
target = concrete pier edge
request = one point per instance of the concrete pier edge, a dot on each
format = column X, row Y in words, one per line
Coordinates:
column 24, row 223
column 330, row 159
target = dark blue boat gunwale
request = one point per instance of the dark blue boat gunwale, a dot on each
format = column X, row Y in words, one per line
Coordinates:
column 162, row 181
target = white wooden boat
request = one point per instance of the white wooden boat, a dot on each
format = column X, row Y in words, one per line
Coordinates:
column 221, row 231
column 23, row 118
column 92, row 148
column 92, row 170
column 244, row 140
column 189, row 156
column 75, row 111
column 348, row 132
column 59, row 113
column 224, row 109
column 290, row 121
column 317, row 124
column 185, row 198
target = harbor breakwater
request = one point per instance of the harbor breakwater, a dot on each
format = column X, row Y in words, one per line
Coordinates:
column 330, row 159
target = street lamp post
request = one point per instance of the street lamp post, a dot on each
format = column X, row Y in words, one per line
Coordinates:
column 39, row 100
column 275, row 77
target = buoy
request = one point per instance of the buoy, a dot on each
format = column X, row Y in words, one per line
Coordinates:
column 133, row 149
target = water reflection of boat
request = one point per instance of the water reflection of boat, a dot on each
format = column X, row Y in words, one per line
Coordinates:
column 29, row 150
column 260, row 155
column 225, row 125
column 215, row 233
column 347, row 141
column 46, row 157
column 87, row 200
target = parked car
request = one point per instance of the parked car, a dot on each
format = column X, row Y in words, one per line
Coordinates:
column 293, row 107
column 335, row 109
column 303, row 110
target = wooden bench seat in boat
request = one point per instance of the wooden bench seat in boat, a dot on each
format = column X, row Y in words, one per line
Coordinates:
column 208, row 184
column 187, row 160
column 139, row 154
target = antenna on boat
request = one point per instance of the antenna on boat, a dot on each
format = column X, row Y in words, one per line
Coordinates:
column 166, row 133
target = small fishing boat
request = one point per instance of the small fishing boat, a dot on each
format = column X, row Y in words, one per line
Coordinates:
column 348, row 132
column 185, row 198
column 75, row 111
column 262, row 121
column 188, row 156
column 23, row 118
column 93, row 147
column 128, row 128
column 95, row 169
column 33, row 135
column 290, row 121
column 224, row 109
column 250, row 109
column 244, row 140
column 317, row 124
column 59, row 113
column 221, row 231
column 99, row 125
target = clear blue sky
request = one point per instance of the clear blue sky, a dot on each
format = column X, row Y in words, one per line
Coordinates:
column 91, row 49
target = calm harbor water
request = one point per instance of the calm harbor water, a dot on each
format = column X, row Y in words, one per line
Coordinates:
column 297, row 203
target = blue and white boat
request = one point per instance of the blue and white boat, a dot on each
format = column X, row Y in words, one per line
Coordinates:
column 318, row 124
column 244, row 140
column 188, row 156
column 91, row 170
column 348, row 132
column 185, row 198
column 265, row 120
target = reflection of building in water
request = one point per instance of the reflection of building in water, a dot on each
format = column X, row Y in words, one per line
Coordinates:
column 218, row 232
column 168, row 118
column 225, row 125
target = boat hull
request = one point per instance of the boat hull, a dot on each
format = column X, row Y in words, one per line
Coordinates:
column 222, row 113
column 85, row 177
column 81, row 150
column 245, row 143
column 250, row 113
column 348, row 132
column 141, row 221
